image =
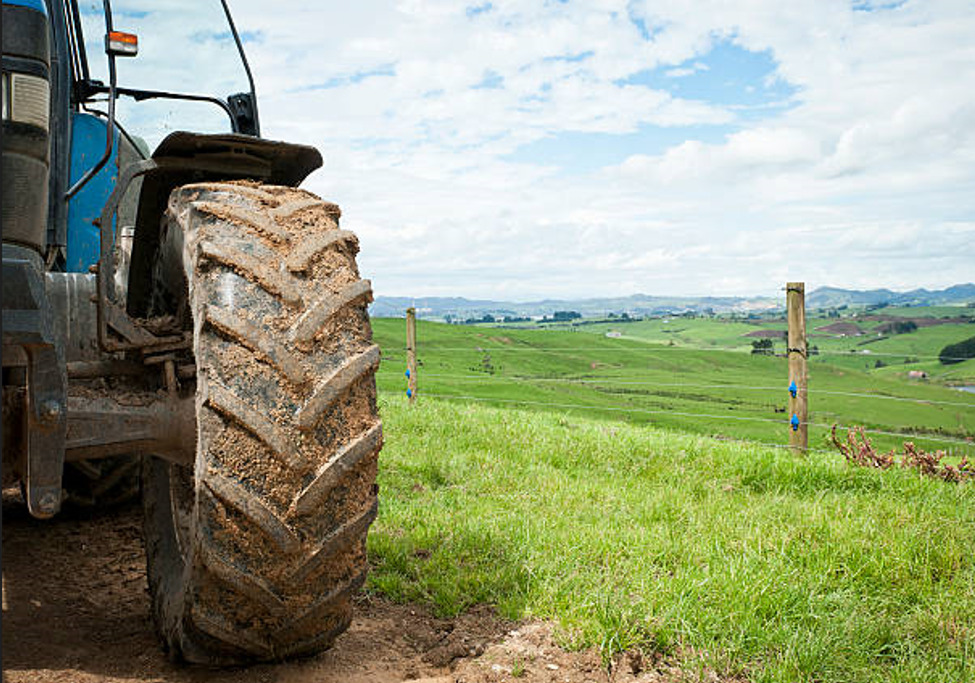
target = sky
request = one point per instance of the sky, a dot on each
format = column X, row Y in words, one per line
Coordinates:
column 519, row 150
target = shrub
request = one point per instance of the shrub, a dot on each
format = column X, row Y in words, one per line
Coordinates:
column 956, row 353
column 859, row 451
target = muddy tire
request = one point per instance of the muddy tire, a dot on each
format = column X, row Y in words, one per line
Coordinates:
column 254, row 553
column 101, row 484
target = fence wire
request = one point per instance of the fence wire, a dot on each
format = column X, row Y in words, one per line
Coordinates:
column 709, row 416
column 589, row 352
column 865, row 353
column 690, row 385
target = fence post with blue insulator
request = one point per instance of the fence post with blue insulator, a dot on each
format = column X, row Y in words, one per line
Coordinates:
column 796, row 350
column 411, row 354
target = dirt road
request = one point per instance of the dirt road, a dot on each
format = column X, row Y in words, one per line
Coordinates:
column 75, row 610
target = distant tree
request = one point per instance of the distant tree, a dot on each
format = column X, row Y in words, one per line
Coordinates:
column 448, row 318
column 625, row 316
column 956, row 353
column 487, row 318
column 903, row 327
column 565, row 316
column 762, row 347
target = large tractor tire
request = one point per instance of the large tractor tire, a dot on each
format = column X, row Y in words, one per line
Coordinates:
column 254, row 553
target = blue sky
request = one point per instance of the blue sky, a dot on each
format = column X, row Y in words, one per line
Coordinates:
column 518, row 149
column 723, row 74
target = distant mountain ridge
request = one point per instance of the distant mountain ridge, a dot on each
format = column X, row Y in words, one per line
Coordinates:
column 829, row 297
column 637, row 304
column 645, row 304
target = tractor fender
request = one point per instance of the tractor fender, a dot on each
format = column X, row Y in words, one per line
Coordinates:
column 183, row 158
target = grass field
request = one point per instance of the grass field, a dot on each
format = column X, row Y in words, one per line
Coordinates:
column 724, row 391
column 565, row 475
column 899, row 352
column 749, row 560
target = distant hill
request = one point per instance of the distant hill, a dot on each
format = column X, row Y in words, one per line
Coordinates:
column 645, row 304
column 832, row 297
column 637, row 304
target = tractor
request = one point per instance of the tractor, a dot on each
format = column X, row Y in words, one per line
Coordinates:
column 181, row 322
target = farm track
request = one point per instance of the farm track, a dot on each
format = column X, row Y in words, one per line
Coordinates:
column 76, row 610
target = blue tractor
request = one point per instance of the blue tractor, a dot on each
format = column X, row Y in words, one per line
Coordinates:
column 180, row 320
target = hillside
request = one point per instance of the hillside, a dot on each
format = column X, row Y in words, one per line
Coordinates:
column 831, row 297
column 746, row 562
column 665, row 375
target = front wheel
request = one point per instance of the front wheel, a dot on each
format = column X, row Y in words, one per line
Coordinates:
column 255, row 551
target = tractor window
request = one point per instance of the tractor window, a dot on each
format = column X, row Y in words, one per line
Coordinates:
column 185, row 47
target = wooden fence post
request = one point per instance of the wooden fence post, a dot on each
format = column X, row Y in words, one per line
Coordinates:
column 411, row 353
column 797, row 352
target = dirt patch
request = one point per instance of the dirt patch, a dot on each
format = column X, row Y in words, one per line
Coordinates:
column 841, row 329
column 76, row 609
column 923, row 321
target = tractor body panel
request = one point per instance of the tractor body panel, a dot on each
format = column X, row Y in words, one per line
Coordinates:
column 26, row 124
column 87, row 144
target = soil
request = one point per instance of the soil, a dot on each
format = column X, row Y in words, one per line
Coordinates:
column 76, row 610
column 846, row 329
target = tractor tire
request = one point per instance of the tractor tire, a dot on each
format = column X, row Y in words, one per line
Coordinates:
column 102, row 484
column 255, row 552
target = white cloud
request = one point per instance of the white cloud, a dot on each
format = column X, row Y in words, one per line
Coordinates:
column 680, row 72
column 867, row 179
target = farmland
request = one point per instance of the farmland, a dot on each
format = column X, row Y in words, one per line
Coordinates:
column 608, row 484
column 742, row 560
column 696, row 375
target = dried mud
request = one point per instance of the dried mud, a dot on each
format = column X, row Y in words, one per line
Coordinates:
column 76, row 610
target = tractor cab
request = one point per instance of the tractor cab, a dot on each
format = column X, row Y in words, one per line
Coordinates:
column 115, row 79
column 107, row 107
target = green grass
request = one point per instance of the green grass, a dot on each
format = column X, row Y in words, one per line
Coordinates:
column 897, row 354
column 729, row 394
column 922, row 345
column 925, row 311
column 750, row 560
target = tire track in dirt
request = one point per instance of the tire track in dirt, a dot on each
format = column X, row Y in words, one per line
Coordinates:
column 76, row 610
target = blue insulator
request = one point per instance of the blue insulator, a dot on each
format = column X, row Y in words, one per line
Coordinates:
column 795, row 423
column 409, row 393
column 407, row 373
column 793, row 389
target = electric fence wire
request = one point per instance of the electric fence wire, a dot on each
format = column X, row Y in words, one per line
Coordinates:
column 747, row 442
column 652, row 411
column 615, row 409
column 744, row 387
column 866, row 353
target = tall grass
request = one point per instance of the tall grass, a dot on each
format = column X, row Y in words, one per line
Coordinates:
column 751, row 560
